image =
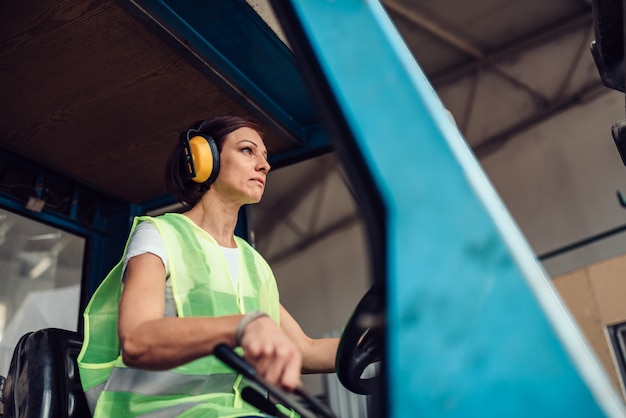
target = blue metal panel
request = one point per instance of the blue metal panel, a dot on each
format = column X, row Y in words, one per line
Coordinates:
column 474, row 327
column 44, row 217
column 230, row 39
column 106, row 243
column 235, row 41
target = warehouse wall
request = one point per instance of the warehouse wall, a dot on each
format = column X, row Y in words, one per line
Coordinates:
column 596, row 296
column 559, row 181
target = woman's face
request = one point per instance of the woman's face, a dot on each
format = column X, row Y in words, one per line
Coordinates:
column 243, row 167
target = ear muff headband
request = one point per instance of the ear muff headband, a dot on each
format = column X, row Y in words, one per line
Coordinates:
column 201, row 157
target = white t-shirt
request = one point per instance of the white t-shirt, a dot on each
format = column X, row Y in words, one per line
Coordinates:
column 146, row 239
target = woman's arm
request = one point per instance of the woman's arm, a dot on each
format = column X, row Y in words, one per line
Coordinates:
column 318, row 355
column 151, row 341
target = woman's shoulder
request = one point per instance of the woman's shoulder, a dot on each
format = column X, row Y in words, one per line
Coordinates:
column 157, row 223
column 146, row 229
column 145, row 235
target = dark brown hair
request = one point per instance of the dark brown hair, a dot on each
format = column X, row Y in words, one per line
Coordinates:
column 185, row 190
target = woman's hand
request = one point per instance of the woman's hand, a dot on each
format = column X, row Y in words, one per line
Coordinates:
column 272, row 353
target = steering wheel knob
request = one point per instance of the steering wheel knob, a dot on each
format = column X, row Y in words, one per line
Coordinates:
column 361, row 344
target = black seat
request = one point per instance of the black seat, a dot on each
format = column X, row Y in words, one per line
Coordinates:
column 43, row 379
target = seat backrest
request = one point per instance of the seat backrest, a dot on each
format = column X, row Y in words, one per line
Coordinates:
column 43, row 379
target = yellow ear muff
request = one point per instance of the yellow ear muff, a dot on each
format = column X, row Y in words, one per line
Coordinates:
column 201, row 158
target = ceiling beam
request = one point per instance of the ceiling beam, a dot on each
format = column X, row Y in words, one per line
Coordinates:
column 560, row 105
column 306, row 242
column 519, row 46
column 430, row 25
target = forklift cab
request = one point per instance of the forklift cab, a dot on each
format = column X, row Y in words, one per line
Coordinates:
column 315, row 95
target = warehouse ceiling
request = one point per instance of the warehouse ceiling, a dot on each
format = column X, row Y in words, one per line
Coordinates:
column 504, row 66
column 98, row 90
column 501, row 67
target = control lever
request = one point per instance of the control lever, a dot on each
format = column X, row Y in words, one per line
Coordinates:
column 234, row 361
column 256, row 398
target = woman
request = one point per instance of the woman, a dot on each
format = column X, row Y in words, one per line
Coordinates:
column 189, row 284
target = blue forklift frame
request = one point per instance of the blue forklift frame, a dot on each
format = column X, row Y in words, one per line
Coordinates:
column 474, row 326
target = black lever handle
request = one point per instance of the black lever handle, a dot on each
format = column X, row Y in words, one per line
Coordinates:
column 235, row 362
column 253, row 397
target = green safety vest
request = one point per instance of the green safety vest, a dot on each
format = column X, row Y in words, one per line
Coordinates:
column 201, row 286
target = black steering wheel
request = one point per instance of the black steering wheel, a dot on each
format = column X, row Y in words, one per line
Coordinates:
column 361, row 344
